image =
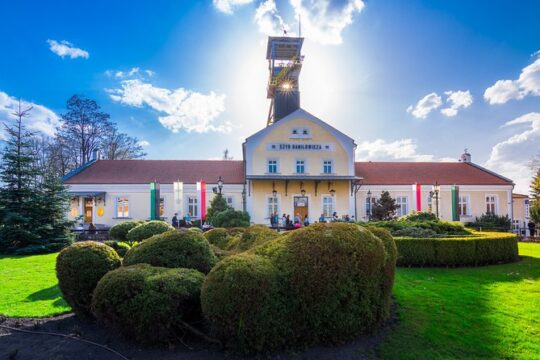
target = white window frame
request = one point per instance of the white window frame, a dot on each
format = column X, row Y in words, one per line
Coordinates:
column 496, row 203
column 274, row 204
column 467, row 198
column 268, row 166
column 194, row 205
column 366, row 202
column 399, row 211
column 231, row 202
column 332, row 210
column 125, row 215
column 300, row 133
column 304, row 165
column 331, row 166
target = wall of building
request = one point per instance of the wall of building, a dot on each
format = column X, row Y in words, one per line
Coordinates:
column 261, row 190
column 476, row 193
column 139, row 200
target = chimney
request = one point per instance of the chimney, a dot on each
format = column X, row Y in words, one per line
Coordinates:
column 465, row 157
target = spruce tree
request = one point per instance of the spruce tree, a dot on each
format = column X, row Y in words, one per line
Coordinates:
column 384, row 208
column 217, row 205
column 19, row 197
column 535, row 201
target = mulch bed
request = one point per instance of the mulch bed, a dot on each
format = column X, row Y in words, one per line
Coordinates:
column 18, row 345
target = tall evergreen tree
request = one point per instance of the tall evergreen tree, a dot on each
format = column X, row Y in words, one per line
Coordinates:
column 217, row 205
column 19, row 197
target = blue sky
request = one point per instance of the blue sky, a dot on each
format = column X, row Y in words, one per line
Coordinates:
column 410, row 81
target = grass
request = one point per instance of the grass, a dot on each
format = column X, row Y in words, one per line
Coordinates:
column 484, row 312
column 29, row 288
column 487, row 312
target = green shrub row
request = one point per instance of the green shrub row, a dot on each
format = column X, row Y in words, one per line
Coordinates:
column 437, row 226
column 478, row 249
column 120, row 247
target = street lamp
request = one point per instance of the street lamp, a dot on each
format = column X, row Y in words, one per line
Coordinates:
column 333, row 192
column 369, row 205
column 220, row 184
column 274, row 191
column 302, row 190
column 435, row 193
column 244, row 198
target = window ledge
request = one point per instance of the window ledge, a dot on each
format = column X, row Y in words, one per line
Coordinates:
column 122, row 218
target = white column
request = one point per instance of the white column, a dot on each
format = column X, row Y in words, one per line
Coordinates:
column 81, row 208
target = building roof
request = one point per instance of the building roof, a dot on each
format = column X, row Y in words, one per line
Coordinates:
column 232, row 172
column 162, row 171
column 520, row 196
column 445, row 173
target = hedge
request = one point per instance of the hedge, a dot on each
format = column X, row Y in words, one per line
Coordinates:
column 119, row 231
column 438, row 226
column 254, row 235
column 218, row 237
column 480, row 248
column 79, row 267
column 332, row 285
column 174, row 249
column 148, row 229
column 148, row 304
column 120, row 247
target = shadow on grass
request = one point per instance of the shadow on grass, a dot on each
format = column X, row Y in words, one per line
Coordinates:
column 460, row 312
column 50, row 293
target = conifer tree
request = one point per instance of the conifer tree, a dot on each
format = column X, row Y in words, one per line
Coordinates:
column 18, row 195
column 535, row 201
column 384, row 208
column 217, row 205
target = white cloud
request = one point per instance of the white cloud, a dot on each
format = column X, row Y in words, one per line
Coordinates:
column 527, row 84
column 268, row 19
column 65, row 48
column 184, row 109
column 144, row 143
column 324, row 20
column 133, row 72
column 425, row 105
column 40, row 118
column 402, row 150
column 457, row 99
column 228, row 6
column 511, row 157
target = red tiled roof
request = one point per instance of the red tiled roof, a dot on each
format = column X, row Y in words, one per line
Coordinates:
column 162, row 171
column 520, row 196
column 405, row 173
column 232, row 172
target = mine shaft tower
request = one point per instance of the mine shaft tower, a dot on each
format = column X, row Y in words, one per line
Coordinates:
column 284, row 64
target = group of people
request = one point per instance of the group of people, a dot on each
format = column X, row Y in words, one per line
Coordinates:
column 184, row 222
column 298, row 221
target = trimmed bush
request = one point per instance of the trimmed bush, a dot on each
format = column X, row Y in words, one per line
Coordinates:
column 119, row 231
column 146, row 303
column 415, row 232
column 236, row 231
column 389, row 270
column 79, row 267
column 120, row 247
column 147, row 230
column 330, row 281
column 241, row 298
column 254, row 235
column 174, row 249
column 195, row 229
column 218, row 237
column 479, row 249
column 439, row 227
column 231, row 218
column 419, row 216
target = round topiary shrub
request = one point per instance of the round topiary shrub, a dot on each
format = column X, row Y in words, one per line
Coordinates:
column 330, row 279
column 389, row 270
column 218, row 237
column 174, row 249
column 79, row 267
column 120, row 247
column 119, row 231
column 254, row 235
column 235, row 231
column 147, row 230
column 241, row 298
column 148, row 304
column 195, row 229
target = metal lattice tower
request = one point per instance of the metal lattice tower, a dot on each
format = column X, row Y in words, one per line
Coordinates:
column 284, row 64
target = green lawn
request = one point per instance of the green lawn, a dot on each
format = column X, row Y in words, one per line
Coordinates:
column 28, row 286
column 486, row 312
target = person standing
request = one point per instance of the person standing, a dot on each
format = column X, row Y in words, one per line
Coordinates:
column 174, row 222
column 306, row 221
column 322, row 219
column 532, row 229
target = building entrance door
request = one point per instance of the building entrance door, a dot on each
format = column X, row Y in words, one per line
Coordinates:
column 88, row 210
column 301, row 207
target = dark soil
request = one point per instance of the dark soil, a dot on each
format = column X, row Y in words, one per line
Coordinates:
column 16, row 345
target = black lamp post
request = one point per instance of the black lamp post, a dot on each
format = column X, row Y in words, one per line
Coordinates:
column 302, row 190
column 369, row 205
column 220, row 184
column 244, row 198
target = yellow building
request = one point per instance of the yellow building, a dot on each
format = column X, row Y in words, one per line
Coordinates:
column 297, row 165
